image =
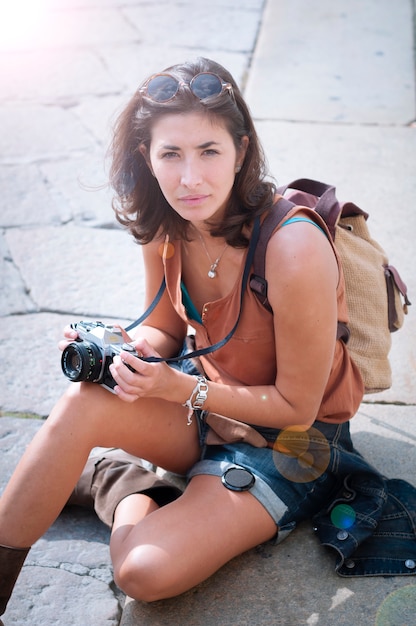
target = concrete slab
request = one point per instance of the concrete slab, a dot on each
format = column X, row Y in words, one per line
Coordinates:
column 32, row 384
column 312, row 61
column 62, row 280
column 205, row 29
column 74, row 26
column 55, row 133
column 78, row 189
column 260, row 589
column 47, row 595
column 65, row 76
column 14, row 298
column 20, row 185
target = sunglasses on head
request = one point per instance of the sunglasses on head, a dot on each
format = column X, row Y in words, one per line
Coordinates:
column 164, row 87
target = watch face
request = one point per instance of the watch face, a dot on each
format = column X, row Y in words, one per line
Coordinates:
column 238, row 479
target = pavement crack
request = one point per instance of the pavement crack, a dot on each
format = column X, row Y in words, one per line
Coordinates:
column 388, row 426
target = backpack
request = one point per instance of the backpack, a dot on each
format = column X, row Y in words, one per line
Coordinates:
column 376, row 295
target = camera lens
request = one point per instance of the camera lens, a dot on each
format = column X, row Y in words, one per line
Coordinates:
column 82, row 361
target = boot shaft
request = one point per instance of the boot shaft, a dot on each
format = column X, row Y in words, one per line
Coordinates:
column 11, row 562
column 113, row 475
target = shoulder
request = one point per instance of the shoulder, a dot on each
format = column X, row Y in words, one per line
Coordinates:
column 157, row 248
column 300, row 250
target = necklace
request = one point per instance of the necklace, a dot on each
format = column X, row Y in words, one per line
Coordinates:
column 212, row 272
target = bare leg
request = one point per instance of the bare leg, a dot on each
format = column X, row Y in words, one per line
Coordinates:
column 176, row 547
column 85, row 417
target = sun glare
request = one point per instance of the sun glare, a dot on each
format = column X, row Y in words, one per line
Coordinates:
column 21, row 23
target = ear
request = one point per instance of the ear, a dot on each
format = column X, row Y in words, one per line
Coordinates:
column 145, row 152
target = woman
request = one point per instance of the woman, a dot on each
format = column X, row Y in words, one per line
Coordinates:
column 189, row 176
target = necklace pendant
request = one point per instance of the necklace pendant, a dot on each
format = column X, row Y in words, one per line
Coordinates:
column 212, row 272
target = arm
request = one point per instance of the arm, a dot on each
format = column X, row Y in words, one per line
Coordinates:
column 304, row 298
column 303, row 295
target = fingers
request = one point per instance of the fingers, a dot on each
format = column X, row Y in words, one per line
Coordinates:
column 126, row 371
column 70, row 334
column 144, row 348
column 136, row 377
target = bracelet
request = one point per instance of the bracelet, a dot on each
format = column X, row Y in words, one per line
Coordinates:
column 197, row 398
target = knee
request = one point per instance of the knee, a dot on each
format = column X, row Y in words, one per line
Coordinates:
column 78, row 407
column 142, row 576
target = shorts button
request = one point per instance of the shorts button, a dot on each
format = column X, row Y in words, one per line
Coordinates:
column 349, row 563
column 410, row 564
column 342, row 535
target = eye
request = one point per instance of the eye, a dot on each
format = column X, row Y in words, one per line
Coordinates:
column 210, row 152
column 169, row 155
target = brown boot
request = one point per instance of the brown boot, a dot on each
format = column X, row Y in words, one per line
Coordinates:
column 11, row 562
column 111, row 476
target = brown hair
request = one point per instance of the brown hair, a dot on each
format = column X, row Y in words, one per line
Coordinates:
column 139, row 203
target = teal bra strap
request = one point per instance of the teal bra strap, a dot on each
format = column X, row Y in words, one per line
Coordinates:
column 291, row 220
column 190, row 308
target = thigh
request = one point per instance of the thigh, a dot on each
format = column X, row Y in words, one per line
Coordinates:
column 153, row 429
column 183, row 543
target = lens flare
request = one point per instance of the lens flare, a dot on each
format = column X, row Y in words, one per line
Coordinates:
column 343, row 516
column 301, row 454
column 21, row 22
column 166, row 250
column 398, row 608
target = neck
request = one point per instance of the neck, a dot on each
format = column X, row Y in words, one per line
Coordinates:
column 214, row 255
column 203, row 232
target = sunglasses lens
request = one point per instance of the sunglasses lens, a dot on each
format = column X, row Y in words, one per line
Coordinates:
column 162, row 88
column 206, row 85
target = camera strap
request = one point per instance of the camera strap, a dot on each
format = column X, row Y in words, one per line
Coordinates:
column 190, row 355
column 150, row 308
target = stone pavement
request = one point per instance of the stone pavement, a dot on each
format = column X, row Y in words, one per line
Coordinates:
column 332, row 89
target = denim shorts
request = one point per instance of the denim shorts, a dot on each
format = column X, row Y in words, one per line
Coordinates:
column 292, row 485
column 294, row 478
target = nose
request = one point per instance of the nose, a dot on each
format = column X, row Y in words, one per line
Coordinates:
column 191, row 175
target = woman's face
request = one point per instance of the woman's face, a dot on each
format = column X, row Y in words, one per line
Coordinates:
column 194, row 159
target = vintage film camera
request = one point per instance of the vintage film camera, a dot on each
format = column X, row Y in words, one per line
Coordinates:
column 90, row 356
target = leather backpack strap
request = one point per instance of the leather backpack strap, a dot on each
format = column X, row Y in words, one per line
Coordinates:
column 258, row 283
column 324, row 200
column 327, row 206
column 326, row 203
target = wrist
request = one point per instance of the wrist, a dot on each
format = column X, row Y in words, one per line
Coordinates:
column 198, row 397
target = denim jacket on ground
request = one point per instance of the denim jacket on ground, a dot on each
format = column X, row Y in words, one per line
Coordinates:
column 382, row 539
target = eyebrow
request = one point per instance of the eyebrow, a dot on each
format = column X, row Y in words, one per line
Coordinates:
column 202, row 146
column 207, row 144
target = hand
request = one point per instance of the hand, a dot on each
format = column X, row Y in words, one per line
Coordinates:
column 140, row 379
column 70, row 335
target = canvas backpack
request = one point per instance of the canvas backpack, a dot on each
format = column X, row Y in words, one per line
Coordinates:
column 376, row 296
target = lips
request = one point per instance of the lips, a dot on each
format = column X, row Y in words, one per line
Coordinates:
column 193, row 199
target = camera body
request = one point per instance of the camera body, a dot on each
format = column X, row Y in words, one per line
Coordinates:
column 90, row 356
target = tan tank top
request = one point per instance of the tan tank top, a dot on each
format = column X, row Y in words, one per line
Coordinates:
column 249, row 356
